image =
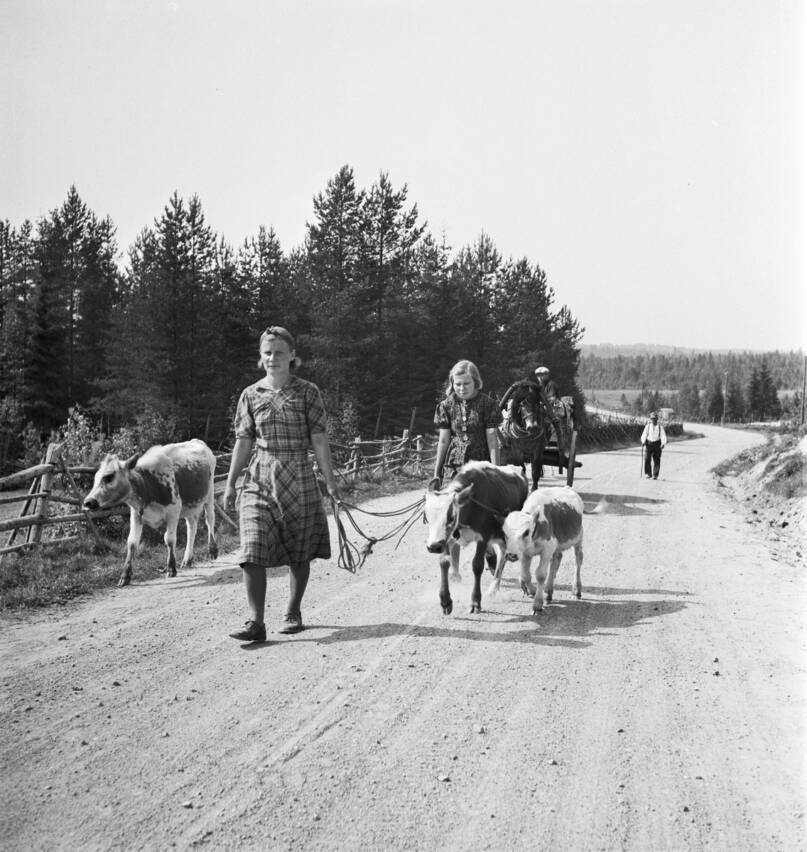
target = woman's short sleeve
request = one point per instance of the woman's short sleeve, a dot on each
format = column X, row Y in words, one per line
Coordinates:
column 442, row 415
column 315, row 411
column 244, row 422
column 492, row 414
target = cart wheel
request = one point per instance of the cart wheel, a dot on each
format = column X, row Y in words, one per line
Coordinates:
column 572, row 454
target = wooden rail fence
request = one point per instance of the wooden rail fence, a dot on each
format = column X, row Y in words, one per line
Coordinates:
column 358, row 460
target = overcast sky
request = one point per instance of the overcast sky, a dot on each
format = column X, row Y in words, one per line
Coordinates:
column 649, row 156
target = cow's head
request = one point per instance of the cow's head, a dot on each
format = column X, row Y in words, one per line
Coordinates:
column 523, row 532
column 111, row 484
column 442, row 514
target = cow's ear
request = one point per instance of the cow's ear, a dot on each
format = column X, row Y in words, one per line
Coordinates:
column 500, row 519
column 464, row 496
column 434, row 484
column 130, row 463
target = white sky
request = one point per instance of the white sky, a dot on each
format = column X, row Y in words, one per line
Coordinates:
column 649, row 156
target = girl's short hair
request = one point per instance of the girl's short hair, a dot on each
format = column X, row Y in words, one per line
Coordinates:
column 281, row 334
column 464, row 367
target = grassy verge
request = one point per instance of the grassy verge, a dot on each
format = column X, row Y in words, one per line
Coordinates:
column 55, row 575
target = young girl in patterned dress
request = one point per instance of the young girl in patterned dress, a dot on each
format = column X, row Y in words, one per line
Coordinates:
column 281, row 513
column 467, row 421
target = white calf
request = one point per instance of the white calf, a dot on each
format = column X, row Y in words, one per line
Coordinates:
column 550, row 522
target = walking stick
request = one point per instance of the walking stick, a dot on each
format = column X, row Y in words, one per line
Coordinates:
column 641, row 460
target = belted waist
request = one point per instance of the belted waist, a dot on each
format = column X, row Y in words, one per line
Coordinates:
column 263, row 447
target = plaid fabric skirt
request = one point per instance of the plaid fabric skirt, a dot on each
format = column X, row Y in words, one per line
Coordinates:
column 282, row 518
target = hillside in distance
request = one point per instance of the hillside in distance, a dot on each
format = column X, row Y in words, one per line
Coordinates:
column 614, row 350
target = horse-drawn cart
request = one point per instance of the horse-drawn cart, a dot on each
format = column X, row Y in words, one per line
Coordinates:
column 527, row 435
column 565, row 458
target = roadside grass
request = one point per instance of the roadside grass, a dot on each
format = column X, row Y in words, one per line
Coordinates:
column 56, row 574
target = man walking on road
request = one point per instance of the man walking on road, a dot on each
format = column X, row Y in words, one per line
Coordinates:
column 654, row 439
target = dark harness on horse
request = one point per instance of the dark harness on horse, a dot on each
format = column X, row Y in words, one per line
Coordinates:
column 514, row 427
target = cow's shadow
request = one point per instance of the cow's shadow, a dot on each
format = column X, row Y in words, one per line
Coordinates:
column 618, row 504
column 566, row 623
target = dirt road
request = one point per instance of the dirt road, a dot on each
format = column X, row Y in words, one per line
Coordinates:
column 665, row 710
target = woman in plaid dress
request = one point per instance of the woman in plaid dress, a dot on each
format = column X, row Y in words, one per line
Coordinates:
column 467, row 421
column 282, row 517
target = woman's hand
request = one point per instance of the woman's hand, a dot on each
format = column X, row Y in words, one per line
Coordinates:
column 228, row 499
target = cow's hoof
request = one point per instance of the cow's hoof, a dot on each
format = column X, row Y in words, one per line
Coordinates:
column 579, row 594
column 549, row 597
column 124, row 581
column 475, row 607
column 537, row 610
column 214, row 551
column 447, row 608
column 172, row 572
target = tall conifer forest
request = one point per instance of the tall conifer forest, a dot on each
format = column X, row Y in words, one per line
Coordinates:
column 380, row 306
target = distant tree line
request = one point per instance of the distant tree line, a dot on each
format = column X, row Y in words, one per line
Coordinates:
column 381, row 309
column 672, row 370
column 721, row 399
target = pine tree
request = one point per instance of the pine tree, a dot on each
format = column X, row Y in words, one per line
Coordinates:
column 769, row 406
column 475, row 275
column 755, row 404
column 334, row 249
column 689, row 401
column 18, row 276
column 166, row 346
column 735, row 403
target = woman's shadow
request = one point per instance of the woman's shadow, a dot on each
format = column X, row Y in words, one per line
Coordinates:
column 566, row 622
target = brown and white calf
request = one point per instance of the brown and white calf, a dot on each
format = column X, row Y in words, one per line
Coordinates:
column 160, row 486
column 469, row 509
column 550, row 522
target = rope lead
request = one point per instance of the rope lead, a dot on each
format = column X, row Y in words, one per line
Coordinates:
column 350, row 557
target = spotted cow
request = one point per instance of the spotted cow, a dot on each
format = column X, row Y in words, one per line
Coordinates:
column 160, row 486
column 550, row 522
column 470, row 509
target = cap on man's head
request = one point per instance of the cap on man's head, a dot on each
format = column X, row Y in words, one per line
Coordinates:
column 654, row 416
column 540, row 370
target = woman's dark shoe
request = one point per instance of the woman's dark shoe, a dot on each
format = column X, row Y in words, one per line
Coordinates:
column 252, row 632
column 292, row 623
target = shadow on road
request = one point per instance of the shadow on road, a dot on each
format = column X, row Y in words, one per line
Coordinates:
column 566, row 623
column 617, row 504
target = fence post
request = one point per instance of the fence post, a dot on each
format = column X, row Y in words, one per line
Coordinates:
column 405, row 444
column 41, row 510
column 385, row 445
column 355, row 458
column 419, row 455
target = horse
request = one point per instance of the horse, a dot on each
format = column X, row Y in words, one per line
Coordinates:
column 523, row 436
